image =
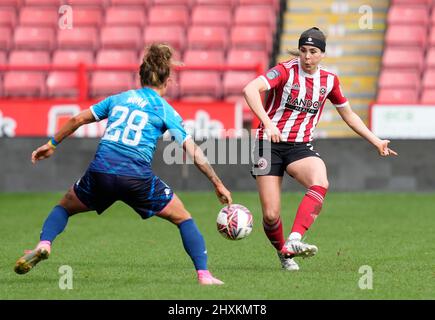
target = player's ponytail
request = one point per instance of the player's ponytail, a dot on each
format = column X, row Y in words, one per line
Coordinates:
column 156, row 65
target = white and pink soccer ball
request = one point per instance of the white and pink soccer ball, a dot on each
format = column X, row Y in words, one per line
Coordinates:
column 235, row 222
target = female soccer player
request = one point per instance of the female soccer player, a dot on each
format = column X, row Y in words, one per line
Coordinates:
column 299, row 89
column 121, row 169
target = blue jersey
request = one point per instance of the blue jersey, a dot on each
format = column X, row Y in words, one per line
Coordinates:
column 136, row 120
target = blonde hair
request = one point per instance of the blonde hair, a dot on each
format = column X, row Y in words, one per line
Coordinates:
column 156, row 65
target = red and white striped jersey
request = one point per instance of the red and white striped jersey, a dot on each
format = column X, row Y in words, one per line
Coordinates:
column 296, row 99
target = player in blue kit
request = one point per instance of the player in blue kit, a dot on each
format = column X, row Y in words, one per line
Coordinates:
column 121, row 169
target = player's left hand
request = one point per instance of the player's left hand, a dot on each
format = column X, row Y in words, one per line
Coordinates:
column 384, row 150
column 223, row 194
column 42, row 152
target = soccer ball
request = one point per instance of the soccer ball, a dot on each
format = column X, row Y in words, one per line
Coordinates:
column 234, row 222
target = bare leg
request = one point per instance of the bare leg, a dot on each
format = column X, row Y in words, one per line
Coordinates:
column 269, row 189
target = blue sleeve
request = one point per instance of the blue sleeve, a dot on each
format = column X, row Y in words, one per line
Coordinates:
column 101, row 109
column 174, row 124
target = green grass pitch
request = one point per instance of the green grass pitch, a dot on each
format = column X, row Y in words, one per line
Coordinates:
column 119, row 256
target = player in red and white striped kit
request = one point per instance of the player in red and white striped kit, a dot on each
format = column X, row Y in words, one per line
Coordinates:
column 298, row 92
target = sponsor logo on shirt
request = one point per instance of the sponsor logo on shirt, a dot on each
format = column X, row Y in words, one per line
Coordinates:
column 303, row 105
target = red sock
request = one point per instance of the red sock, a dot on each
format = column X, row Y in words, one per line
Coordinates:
column 274, row 233
column 309, row 209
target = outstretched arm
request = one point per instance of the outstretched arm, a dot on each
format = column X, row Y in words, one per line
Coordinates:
column 67, row 129
column 357, row 125
column 201, row 162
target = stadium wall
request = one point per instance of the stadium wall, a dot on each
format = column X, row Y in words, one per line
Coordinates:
column 353, row 165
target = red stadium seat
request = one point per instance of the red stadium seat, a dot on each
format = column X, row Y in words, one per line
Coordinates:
column 404, row 14
column 2, row 57
column 207, row 37
column 78, row 38
column 8, row 17
column 168, row 15
column 254, row 38
column 84, row 16
column 29, row 58
column 121, row 37
column 432, row 37
column 34, row 38
column 64, row 83
column 173, row 35
column 145, row 3
column 116, row 57
column 247, row 58
column 104, row 83
column 430, row 58
column 391, row 78
column 186, row 3
column 255, row 16
column 108, row 82
column 235, row 81
column 408, row 58
column 200, row 83
column 72, row 57
column 273, row 3
column 93, row 3
column 432, row 18
column 227, row 3
column 406, row 35
column 203, row 58
column 133, row 16
column 5, row 38
column 53, row 3
column 399, row 96
column 27, row 84
column 429, row 79
column 428, row 96
column 212, row 15
column 40, row 17
column 11, row 3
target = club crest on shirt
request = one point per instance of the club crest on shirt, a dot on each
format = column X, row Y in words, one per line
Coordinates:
column 322, row 91
column 272, row 74
column 295, row 86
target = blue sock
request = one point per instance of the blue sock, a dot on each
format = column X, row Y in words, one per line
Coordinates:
column 54, row 224
column 194, row 244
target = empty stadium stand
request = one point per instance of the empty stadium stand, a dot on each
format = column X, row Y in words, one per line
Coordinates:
column 112, row 33
column 408, row 62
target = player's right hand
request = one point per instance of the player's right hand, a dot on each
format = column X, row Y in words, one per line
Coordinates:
column 273, row 133
column 42, row 152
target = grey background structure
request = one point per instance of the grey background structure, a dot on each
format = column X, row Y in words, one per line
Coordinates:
column 353, row 165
